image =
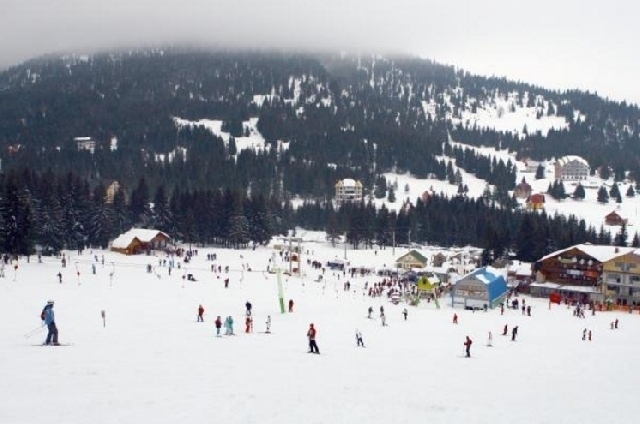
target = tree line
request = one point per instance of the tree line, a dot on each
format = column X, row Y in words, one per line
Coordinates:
column 66, row 211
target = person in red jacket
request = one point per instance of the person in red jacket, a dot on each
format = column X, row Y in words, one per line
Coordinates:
column 455, row 318
column 467, row 347
column 200, row 314
column 290, row 305
column 311, row 335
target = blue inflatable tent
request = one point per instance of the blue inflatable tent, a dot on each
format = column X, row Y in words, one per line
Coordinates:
column 484, row 287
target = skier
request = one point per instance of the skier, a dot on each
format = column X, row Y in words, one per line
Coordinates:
column 504, row 331
column 370, row 312
column 248, row 306
column 455, row 318
column 467, row 345
column 381, row 311
column 514, row 333
column 290, row 305
column 226, row 283
column 490, row 340
column 218, row 326
column 59, row 274
column 529, row 310
column 48, row 317
column 405, row 313
column 200, row 314
column 615, row 324
column 228, row 326
column 359, row 341
column 383, row 319
column 268, row 323
column 589, row 335
column 311, row 335
column 247, row 324
column 584, row 334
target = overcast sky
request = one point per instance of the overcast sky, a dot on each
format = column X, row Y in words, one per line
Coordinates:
column 559, row 44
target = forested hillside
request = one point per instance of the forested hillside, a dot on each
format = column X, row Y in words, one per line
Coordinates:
column 339, row 116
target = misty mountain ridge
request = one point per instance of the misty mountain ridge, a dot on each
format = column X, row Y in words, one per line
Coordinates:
column 364, row 114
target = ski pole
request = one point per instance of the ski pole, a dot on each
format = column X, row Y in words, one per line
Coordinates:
column 34, row 331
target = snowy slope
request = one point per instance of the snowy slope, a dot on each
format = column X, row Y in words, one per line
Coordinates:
column 154, row 363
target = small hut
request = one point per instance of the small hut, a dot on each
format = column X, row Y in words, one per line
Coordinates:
column 413, row 259
column 139, row 240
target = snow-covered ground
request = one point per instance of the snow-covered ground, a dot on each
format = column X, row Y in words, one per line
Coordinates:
column 154, row 363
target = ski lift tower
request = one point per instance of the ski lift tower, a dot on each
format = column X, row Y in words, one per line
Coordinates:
column 278, row 270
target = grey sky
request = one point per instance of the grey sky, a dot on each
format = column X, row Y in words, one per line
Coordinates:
column 561, row 44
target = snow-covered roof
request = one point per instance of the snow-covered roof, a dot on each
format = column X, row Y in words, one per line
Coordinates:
column 580, row 289
column 520, row 268
column 142, row 234
column 488, row 274
column 571, row 158
column 546, row 285
column 601, row 253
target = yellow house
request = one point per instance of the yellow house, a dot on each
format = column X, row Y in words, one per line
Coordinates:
column 621, row 278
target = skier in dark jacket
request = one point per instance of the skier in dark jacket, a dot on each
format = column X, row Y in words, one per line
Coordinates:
column 48, row 317
column 311, row 335
column 218, row 325
column 467, row 347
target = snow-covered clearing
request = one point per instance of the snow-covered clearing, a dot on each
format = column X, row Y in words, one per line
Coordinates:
column 153, row 362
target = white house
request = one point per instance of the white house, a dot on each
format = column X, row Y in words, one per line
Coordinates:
column 572, row 167
column 348, row 190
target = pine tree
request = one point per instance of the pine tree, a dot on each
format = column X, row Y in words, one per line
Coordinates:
column 539, row 172
column 630, row 191
column 614, row 192
column 579, row 192
column 391, row 197
column 621, row 237
column 603, row 196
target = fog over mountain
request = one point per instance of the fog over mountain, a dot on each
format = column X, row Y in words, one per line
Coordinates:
column 560, row 45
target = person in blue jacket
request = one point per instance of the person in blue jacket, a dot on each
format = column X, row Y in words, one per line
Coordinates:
column 50, row 321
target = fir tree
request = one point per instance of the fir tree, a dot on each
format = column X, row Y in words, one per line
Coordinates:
column 391, row 197
column 630, row 191
column 603, row 196
column 539, row 172
column 579, row 192
column 621, row 237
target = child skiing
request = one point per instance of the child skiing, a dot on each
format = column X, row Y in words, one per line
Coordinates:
column 218, row 326
column 200, row 314
column 359, row 341
column 228, row 325
column 311, row 335
column 467, row 347
column 268, row 323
